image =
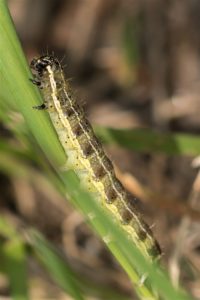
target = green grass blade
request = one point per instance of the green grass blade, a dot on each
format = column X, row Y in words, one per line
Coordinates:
column 147, row 140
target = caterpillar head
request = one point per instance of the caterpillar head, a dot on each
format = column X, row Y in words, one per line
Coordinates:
column 40, row 64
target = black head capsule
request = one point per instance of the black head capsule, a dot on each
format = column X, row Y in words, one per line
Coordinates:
column 40, row 64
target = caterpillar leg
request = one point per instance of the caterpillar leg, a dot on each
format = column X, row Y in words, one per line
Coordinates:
column 41, row 107
column 36, row 82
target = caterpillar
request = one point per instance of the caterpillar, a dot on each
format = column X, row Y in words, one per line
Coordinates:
column 86, row 155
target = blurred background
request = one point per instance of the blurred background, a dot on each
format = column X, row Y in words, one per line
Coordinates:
column 132, row 64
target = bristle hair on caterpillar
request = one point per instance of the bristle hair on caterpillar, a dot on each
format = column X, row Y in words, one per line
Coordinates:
column 86, row 155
